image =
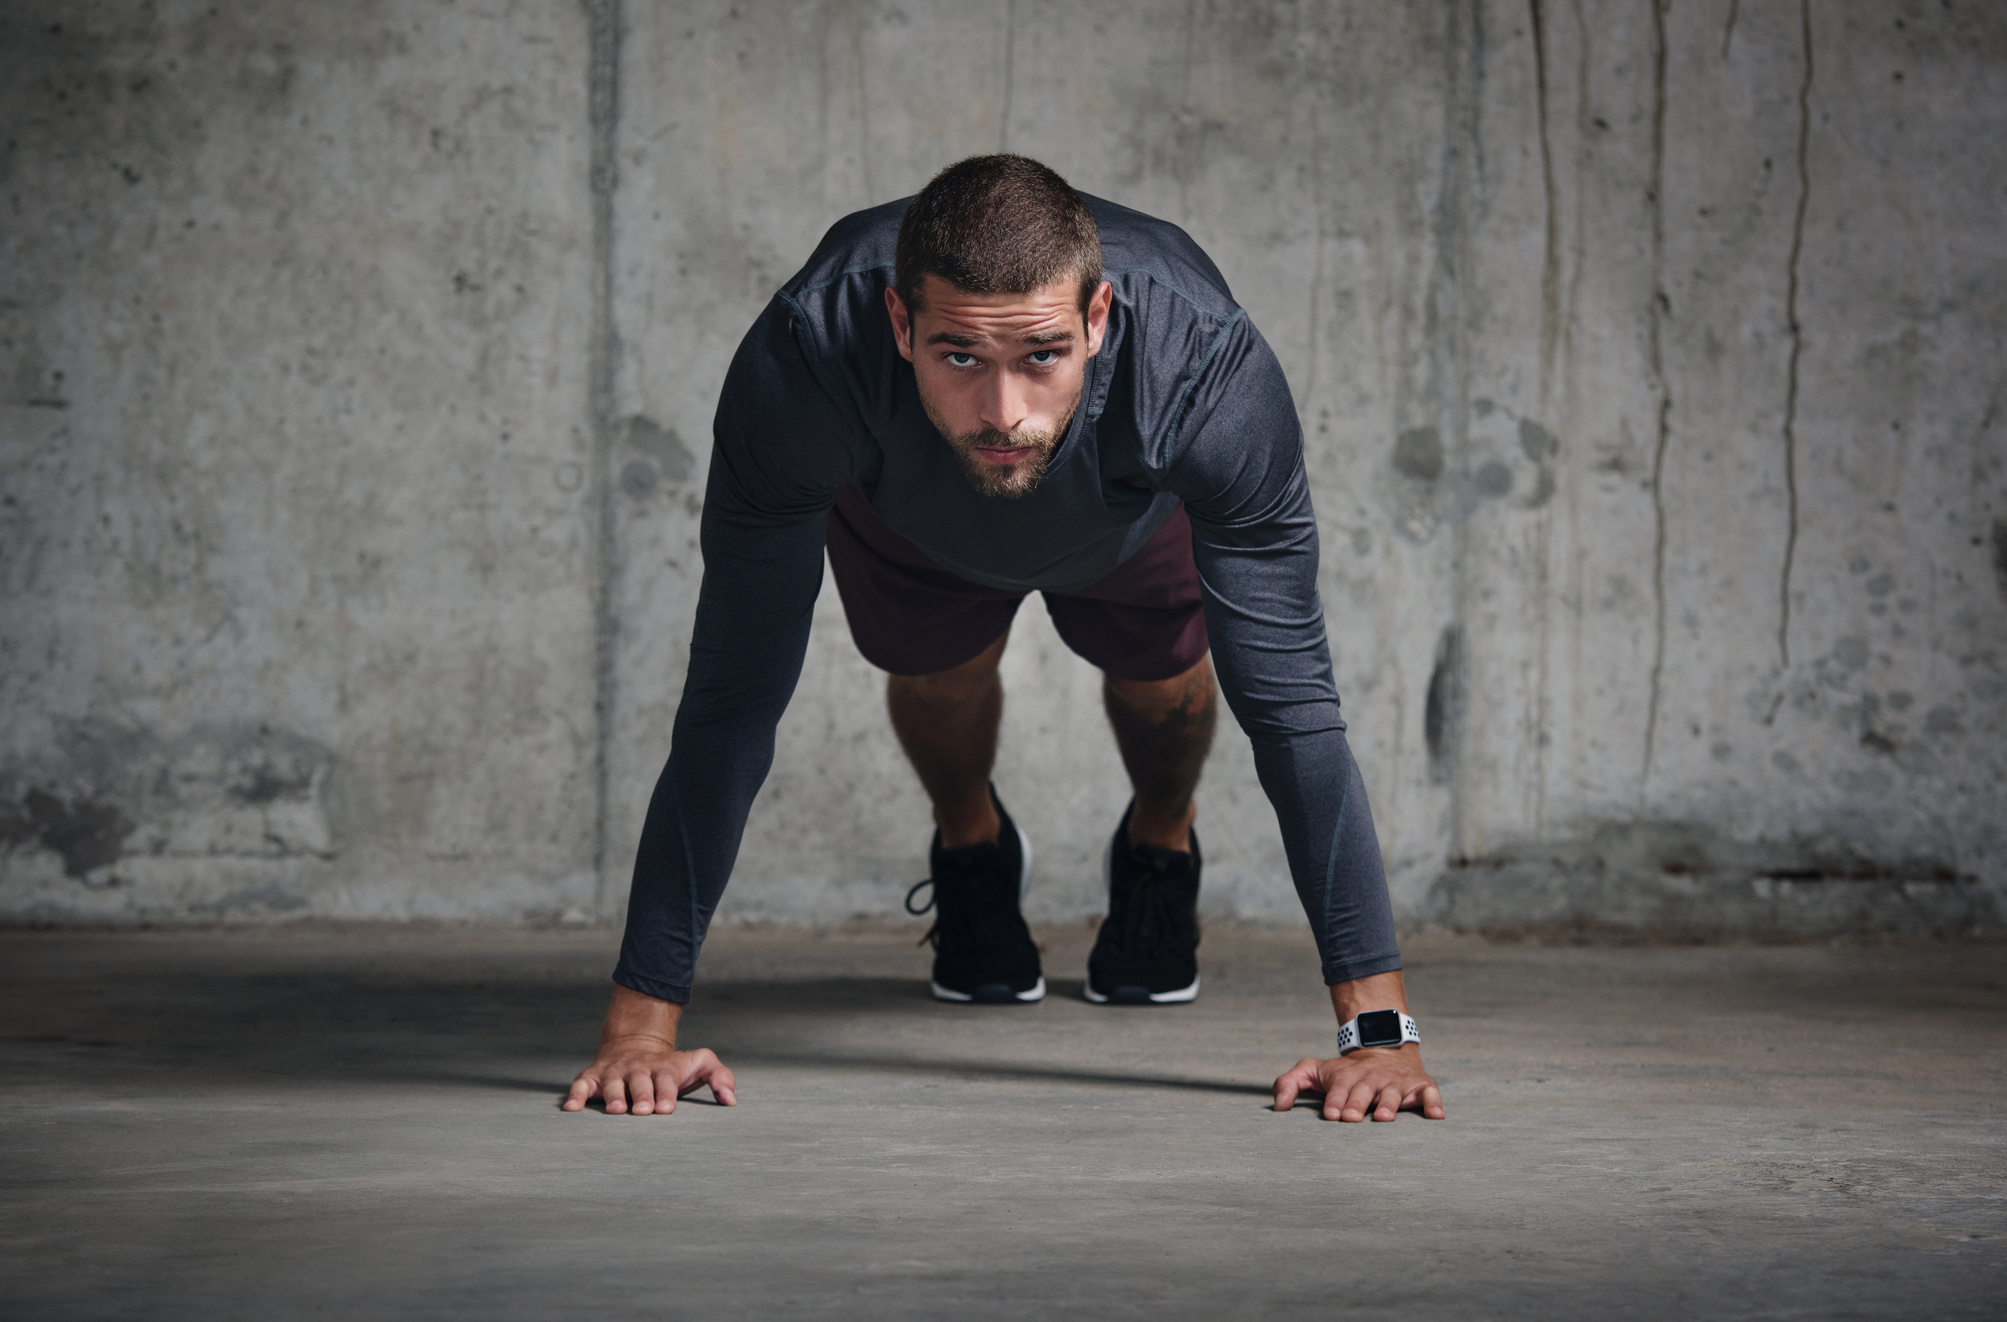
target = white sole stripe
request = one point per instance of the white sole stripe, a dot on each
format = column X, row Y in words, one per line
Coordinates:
column 1178, row 997
column 1037, row 993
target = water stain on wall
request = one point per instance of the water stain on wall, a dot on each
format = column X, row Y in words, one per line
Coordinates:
column 1540, row 446
column 1418, row 453
column 1492, row 479
column 638, row 479
column 1434, row 491
column 86, row 833
column 662, row 445
column 106, row 791
column 1442, row 711
column 1686, row 880
column 2000, row 554
column 665, row 459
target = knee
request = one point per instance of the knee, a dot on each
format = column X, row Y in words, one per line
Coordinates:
column 948, row 689
column 966, row 683
column 1190, row 691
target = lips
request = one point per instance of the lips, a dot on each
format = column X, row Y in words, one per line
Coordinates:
column 1015, row 454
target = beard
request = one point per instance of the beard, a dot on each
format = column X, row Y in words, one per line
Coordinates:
column 1005, row 481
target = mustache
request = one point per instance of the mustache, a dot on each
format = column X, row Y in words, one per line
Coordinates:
column 992, row 439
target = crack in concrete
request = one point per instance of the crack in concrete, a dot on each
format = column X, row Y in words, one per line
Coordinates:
column 1728, row 30
column 1554, row 325
column 1797, row 342
column 603, row 24
column 1550, row 272
column 1584, row 120
column 1660, row 305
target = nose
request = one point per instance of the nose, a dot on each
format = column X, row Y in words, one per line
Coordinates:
column 1004, row 405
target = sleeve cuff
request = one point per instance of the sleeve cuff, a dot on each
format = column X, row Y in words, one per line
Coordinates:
column 678, row 993
column 1348, row 970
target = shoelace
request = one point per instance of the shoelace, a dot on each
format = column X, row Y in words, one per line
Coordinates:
column 1154, row 924
column 985, row 922
column 932, row 932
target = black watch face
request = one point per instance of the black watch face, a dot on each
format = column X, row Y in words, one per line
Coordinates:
column 1380, row 1028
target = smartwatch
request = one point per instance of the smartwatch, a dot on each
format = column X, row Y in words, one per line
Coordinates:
column 1377, row 1028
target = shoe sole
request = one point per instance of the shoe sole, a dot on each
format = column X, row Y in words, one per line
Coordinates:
column 982, row 996
column 985, row 995
column 1182, row 996
column 1122, row 996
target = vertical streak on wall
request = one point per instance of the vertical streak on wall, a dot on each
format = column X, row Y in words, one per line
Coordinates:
column 1584, row 120
column 603, row 118
column 1797, row 342
column 1579, row 172
column 1447, row 336
column 1552, row 322
column 1550, row 271
column 1660, row 306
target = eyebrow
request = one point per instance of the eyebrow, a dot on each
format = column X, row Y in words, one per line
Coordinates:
column 971, row 341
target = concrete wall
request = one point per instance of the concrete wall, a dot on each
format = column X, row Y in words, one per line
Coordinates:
column 358, row 363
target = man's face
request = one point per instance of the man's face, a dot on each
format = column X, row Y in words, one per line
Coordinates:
column 1000, row 374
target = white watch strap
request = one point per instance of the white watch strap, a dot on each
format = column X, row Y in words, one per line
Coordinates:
column 1348, row 1033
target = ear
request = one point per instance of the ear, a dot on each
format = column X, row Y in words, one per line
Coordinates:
column 1097, row 317
column 902, row 324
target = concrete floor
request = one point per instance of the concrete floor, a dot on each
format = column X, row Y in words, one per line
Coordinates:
column 355, row 1123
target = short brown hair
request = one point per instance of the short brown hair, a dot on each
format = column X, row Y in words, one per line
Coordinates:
column 1000, row 224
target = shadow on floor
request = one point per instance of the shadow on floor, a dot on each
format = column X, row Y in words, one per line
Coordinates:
column 866, row 1063
column 415, row 1030
column 1002, row 1071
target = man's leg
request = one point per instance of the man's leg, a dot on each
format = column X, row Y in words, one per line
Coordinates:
column 1164, row 729
column 1146, row 950
column 980, row 864
column 947, row 723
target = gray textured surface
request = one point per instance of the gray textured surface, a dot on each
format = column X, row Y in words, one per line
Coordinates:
column 356, row 365
column 364, row 1124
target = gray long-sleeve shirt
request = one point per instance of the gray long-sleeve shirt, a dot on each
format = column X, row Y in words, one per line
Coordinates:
column 1185, row 402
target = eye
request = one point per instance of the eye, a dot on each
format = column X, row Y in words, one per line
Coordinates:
column 1043, row 357
column 957, row 359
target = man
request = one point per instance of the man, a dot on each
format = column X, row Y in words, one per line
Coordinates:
column 960, row 402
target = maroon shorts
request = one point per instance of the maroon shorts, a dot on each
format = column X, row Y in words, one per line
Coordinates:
column 909, row 616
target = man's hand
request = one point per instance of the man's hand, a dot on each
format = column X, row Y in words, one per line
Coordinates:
column 638, row 1067
column 1379, row 1081
column 645, row 1076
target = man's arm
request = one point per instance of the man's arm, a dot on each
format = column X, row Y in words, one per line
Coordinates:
column 1376, row 1081
column 776, row 459
column 1239, row 468
column 639, row 1068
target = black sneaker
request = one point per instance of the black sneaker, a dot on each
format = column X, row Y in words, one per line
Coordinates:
column 983, row 952
column 1147, row 950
